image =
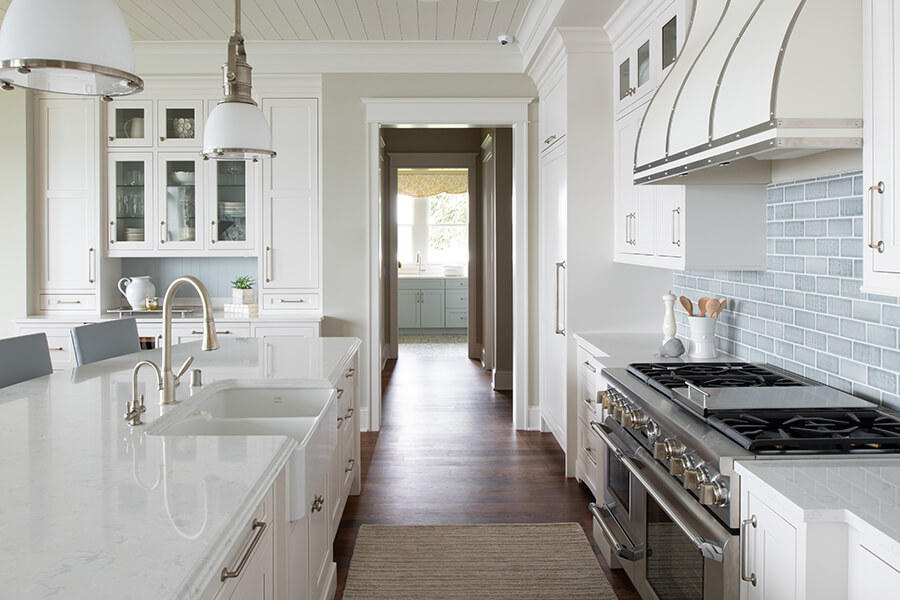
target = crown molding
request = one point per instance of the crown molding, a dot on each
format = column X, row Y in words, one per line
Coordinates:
column 629, row 17
column 535, row 27
column 162, row 58
column 566, row 41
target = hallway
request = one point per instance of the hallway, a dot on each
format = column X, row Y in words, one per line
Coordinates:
column 447, row 453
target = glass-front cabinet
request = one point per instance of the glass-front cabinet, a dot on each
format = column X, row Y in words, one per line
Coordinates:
column 180, row 124
column 129, row 124
column 130, row 209
column 230, row 216
column 180, row 200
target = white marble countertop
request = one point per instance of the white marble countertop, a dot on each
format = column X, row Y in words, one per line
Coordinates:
column 862, row 492
column 95, row 509
column 195, row 317
column 618, row 349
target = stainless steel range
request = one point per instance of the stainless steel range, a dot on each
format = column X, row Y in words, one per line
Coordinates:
column 672, row 431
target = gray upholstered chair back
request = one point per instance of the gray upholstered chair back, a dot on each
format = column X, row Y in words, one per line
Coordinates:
column 98, row 341
column 24, row 357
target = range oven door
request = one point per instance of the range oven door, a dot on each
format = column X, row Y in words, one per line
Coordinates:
column 684, row 553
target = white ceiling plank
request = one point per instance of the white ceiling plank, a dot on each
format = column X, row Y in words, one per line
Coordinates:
column 352, row 19
column 503, row 17
column 409, row 19
column 148, row 15
column 313, row 16
column 171, row 27
column 296, row 20
column 428, row 21
column 518, row 15
column 390, row 19
column 371, row 18
column 335, row 19
column 276, row 17
column 465, row 18
column 217, row 13
column 260, row 14
column 484, row 18
column 139, row 23
column 446, row 19
column 209, row 28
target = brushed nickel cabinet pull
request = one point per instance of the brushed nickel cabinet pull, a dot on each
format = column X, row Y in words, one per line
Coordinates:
column 350, row 372
column 349, row 466
column 212, row 232
column 318, row 503
column 226, row 332
column 57, row 349
column 340, row 392
column 162, row 138
column 879, row 245
column 675, row 211
column 112, row 232
column 550, row 139
column 68, row 301
column 745, row 544
column 590, row 366
column 111, row 139
column 559, row 330
column 268, row 265
column 91, row 266
column 162, row 232
column 283, row 301
column 260, row 528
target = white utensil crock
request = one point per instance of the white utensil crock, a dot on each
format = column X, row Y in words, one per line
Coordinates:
column 703, row 337
column 136, row 289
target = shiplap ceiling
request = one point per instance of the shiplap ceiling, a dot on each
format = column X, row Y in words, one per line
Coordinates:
column 321, row 20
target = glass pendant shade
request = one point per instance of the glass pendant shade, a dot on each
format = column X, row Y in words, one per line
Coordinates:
column 72, row 47
column 237, row 131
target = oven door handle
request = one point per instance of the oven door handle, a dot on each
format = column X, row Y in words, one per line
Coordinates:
column 707, row 548
column 630, row 553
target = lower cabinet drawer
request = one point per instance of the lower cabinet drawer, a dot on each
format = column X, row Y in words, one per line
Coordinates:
column 456, row 299
column 68, row 302
column 291, row 301
column 61, row 354
column 348, row 465
column 193, row 333
column 456, row 318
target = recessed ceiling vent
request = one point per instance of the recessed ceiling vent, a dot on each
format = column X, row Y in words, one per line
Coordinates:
column 770, row 79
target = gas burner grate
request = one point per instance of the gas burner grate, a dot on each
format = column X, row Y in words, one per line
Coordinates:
column 667, row 376
column 821, row 431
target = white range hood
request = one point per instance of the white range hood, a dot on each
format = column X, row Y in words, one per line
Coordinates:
column 762, row 78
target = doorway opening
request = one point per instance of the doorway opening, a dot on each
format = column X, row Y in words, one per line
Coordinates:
column 432, row 233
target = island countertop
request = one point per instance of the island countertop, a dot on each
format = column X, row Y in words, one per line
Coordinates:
column 95, row 509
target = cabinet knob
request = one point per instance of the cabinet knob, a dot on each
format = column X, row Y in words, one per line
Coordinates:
column 111, row 139
column 162, row 139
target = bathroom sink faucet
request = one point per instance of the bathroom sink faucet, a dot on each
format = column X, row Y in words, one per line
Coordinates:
column 166, row 378
column 419, row 262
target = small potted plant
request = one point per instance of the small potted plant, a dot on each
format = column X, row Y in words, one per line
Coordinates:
column 242, row 290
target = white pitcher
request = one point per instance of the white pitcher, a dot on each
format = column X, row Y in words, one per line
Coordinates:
column 135, row 289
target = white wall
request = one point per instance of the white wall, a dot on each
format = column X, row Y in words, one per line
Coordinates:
column 16, row 223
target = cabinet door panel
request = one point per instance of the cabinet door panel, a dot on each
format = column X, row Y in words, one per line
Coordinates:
column 408, row 308
column 635, row 205
column 431, row 308
column 670, row 221
column 130, row 209
column 291, row 243
column 180, row 209
column 773, row 554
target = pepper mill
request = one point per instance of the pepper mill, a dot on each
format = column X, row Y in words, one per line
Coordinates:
column 669, row 318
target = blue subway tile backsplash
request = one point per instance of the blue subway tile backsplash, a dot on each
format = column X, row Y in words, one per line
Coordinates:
column 806, row 312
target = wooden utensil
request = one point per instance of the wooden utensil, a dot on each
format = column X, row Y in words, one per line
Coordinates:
column 712, row 308
column 701, row 304
column 722, row 303
column 686, row 303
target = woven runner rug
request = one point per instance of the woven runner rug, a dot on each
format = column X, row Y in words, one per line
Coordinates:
column 483, row 562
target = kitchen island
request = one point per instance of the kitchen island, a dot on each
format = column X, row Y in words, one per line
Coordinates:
column 94, row 508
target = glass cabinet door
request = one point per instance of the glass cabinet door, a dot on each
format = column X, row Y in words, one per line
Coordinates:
column 129, row 124
column 230, row 224
column 180, row 124
column 129, row 211
column 669, row 42
column 180, row 205
column 625, row 89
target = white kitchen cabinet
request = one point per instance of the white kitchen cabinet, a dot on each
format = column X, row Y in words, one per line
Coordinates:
column 635, row 205
column 231, row 216
column 59, row 341
column 179, row 124
column 179, row 193
column 129, row 205
column 881, row 160
column 589, row 467
column 345, row 463
column 552, row 110
column 290, row 259
column 67, row 212
column 873, row 570
column 129, row 124
column 771, row 552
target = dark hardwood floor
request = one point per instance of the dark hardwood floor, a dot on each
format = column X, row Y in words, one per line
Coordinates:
column 447, row 453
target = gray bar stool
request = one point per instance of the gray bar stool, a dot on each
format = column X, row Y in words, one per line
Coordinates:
column 106, row 339
column 24, row 357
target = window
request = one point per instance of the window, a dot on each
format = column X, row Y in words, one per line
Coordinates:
column 433, row 216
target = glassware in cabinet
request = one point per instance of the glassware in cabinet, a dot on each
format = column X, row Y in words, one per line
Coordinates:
column 180, row 190
column 231, row 217
column 129, row 211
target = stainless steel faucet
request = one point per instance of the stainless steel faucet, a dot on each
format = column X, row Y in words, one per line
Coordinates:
column 166, row 378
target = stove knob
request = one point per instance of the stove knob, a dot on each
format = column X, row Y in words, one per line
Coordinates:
column 714, row 493
column 692, row 479
column 603, row 399
column 634, row 418
column 667, row 449
column 651, row 429
column 618, row 410
column 677, row 465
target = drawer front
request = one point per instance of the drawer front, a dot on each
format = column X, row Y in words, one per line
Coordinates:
column 457, row 299
column 589, row 367
column 61, row 354
column 68, row 302
column 456, row 284
column 457, row 318
column 193, row 333
column 588, row 455
column 284, row 331
column 420, row 284
column 348, row 467
column 290, row 301
column 587, row 401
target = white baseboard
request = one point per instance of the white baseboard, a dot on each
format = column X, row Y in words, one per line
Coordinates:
column 364, row 424
column 502, row 380
column 534, row 418
column 558, row 432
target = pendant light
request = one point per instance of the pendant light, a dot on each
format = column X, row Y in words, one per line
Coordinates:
column 236, row 128
column 69, row 47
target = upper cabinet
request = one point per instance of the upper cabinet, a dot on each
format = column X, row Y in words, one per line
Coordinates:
column 642, row 59
column 180, row 123
column 881, row 257
column 552, row 109
column 129, row 124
